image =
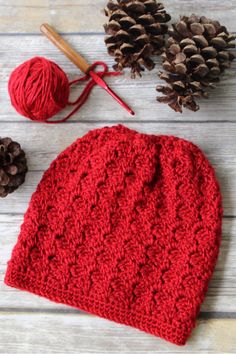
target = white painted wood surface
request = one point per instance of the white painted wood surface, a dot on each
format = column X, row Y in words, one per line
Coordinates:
column 73, row 333
column 139, row 93
column 87, row 15
column 220, row 296
column 31, row 324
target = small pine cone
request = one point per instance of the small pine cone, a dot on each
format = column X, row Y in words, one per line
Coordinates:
column 13, row 166
column 136, row 30
column 198, row 52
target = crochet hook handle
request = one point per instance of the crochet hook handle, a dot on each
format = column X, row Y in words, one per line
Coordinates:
column 63, row 46
column 79, row 61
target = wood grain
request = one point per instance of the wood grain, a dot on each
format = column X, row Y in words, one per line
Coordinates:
column 44, row 142
column 139, row 93
column 65, row 48
column 87, row 15
column 31, row 324
column 220, row 297
column 72, row 333
column 23, row 16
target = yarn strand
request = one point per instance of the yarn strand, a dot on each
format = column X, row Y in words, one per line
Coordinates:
column 39, row 89
column 79, row 102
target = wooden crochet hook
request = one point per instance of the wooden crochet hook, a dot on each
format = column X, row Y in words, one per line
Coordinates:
column 79, row 61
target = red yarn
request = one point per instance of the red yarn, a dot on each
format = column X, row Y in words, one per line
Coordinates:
column 39, row 89
column 126, row 226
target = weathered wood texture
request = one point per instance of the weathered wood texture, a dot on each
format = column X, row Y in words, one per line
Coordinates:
column 139, row 93
column 87, row 16
column 49, row 333
column 220, row 297
column 43, row 143
column 31, row 324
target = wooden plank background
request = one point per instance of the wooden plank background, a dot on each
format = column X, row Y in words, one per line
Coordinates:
column 30, row 324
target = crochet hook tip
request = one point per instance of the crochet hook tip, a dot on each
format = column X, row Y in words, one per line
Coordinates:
column 120, row 101
column 132, row 112
column 104, row 85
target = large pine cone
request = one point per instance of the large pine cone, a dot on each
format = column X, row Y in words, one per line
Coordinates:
column 197, row 53
column 13, row 166
column 136, row 30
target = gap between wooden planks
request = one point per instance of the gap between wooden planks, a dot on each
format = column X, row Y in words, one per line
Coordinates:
column 48, row 333
column 88, row 15
column 216, row 140
column 139, row 93
column 23, row 333
column 220, row 296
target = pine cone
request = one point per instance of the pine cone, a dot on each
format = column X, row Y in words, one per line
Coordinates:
column 197, row 53
column 13, row 166
column 136, row 30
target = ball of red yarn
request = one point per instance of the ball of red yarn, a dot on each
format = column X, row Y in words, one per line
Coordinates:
column 38, row 89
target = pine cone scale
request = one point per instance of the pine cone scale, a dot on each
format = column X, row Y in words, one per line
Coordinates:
column 13, row 166
column 197, row 53
column 135, row 30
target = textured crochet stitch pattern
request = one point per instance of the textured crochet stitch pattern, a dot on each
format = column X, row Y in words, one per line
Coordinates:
column 126, row 226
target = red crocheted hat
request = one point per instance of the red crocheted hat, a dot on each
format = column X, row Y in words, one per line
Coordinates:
column 126, row 226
